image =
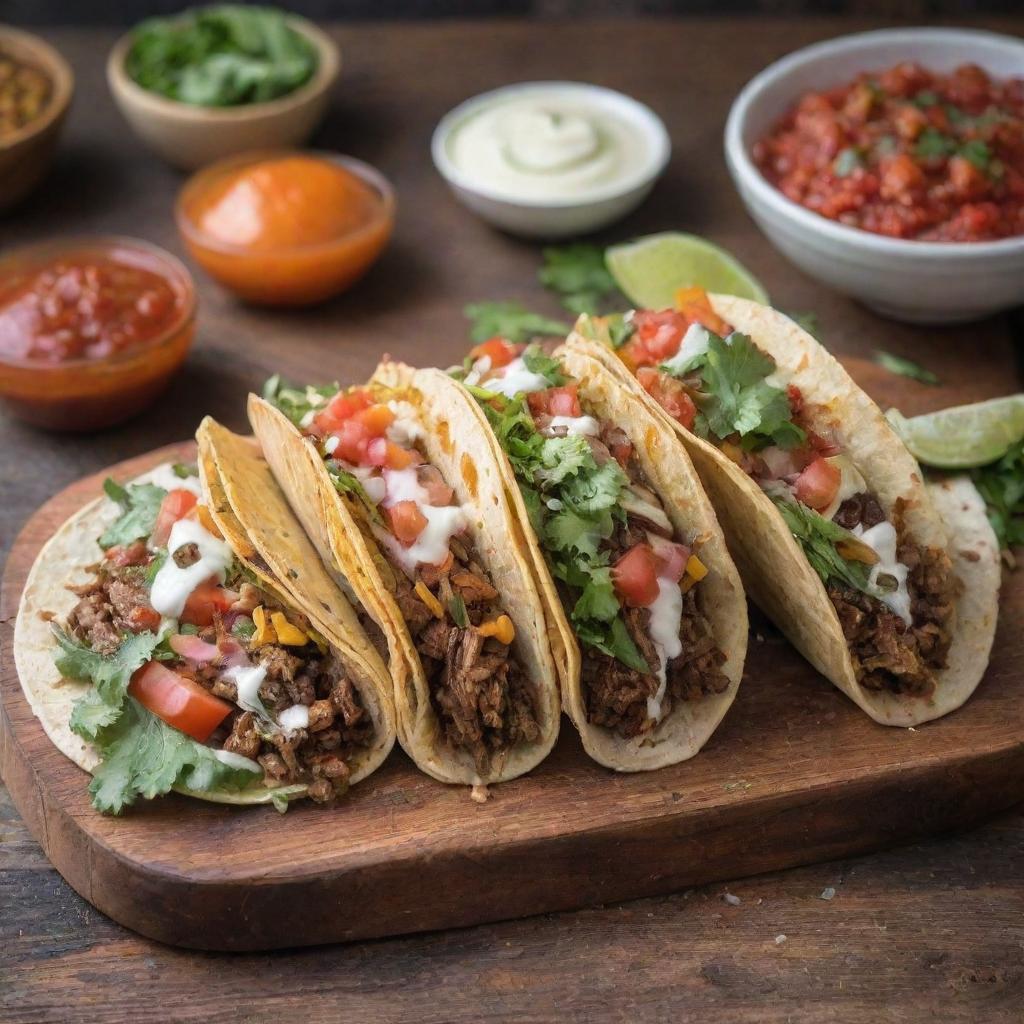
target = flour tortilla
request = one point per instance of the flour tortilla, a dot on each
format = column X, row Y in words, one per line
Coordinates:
column 689, row 724
column 777, row 574
column 63, row 561
column 338, row 526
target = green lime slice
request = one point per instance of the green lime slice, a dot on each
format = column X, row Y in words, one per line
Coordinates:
column 964, row 436
column 650, row 270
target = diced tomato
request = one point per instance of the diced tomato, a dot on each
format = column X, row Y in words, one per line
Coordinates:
column 657, row 337
column 438, row 492
column 135, row 553
column 206, row 600
column 635, row 576
column 382, row 452
column 671, row 557
column 622, row 452
column 176, row 505
column 340, row 408
column 818, row 484
column 796, row 399
column 498, row 350
column 376, row 419
column 564, row 401
column 142, row 617
column 181, row 702
column 407, row 521
column 353, row 439
column 695, row 306
column 669, row 394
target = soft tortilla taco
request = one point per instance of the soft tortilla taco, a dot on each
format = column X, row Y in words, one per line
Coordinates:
column 160, row 652
column 888, row 587
column 409, row 508
column 644, row 607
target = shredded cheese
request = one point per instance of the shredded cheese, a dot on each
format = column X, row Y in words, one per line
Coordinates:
column 424, row 594
column 500, row 628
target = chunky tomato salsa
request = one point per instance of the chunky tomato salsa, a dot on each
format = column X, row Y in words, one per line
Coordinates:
column 907, row 153
column 84, row 306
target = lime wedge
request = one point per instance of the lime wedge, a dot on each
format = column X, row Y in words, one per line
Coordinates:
column 650, row 270
column 964, row 436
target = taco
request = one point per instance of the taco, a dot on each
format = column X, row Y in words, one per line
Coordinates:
column 645, row 610
column 827, row 514
column 410, row 510
column 160, row 652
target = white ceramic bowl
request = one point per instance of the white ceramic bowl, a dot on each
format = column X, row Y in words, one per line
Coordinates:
column 557, row 218
column 920, row 282
column 189, row 137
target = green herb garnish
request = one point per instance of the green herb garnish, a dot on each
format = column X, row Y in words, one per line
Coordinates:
column 905, row 367
column 579, row 276
column 457, row 610
column 1001, row 484
column 140, row 504
column 511, row 321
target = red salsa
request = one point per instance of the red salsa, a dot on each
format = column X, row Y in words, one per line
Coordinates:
column 86, row 306
column 907, row 153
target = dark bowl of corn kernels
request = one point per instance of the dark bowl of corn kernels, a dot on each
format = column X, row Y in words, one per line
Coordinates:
column 36, row 84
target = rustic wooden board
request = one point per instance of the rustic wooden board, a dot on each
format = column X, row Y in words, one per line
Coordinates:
column 794, row 775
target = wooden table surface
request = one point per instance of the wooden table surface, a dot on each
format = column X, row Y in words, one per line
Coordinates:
column 933, row 928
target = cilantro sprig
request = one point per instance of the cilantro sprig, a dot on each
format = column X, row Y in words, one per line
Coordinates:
column 512, row 321
column 578, row 275
column 140, row 504
column 1001, row 484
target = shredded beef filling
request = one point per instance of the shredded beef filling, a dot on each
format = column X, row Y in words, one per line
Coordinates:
column 477, row 687
column 887, row 653
column 116, row 601
column 616, row 695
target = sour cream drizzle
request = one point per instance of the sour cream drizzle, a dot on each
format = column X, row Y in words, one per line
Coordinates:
column 574, row 425
column 517, row 380
column 173, row 585
column 666, row 619
column 882, row 540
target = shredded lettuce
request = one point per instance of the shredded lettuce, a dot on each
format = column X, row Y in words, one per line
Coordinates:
column 296, row 403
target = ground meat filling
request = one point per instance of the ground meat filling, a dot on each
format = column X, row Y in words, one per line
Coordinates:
column 478, row 689
column 116, row 601
column 616, row 695
column 887, row 654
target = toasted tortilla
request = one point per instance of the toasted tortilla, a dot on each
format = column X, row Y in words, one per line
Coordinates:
column 62, row 562
column 338, row 526
column 689, row 724
column 773, row 566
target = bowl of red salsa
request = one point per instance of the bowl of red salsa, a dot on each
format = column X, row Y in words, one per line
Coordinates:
column 91, row 329
column 890, row 165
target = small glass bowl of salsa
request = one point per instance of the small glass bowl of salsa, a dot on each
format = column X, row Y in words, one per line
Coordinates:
column 91, row 329
column 286, row 228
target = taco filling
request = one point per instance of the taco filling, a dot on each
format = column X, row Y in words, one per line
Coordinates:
column 628, row 582
column 462, row 633
column 894, row 598
column 202, row 677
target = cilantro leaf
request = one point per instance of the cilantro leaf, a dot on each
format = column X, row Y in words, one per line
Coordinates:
column 819, row 538
column 511, row 321
column 1001, row 484
column 905, row 367
column 547, row 366
column 143, row 756
column 183, row 470
column 578, row 275
column 736, row 398
column 140, row 504
column 620, row 329
column 457, row 610
column 109, row 674
column 598, row 600
column 615, row 641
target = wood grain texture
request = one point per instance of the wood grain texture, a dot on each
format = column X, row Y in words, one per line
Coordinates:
column 795, row 774
column 930, row 929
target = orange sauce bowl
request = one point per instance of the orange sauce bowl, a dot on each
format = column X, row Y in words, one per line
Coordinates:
column 290, row 271
column 89, row 392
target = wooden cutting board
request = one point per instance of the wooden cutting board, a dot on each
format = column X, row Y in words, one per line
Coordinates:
column 795, row 774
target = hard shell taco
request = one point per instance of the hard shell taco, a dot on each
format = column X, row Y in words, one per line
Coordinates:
column 159, row 652
column 403, row 502
column 887, row 586
column 644, row 608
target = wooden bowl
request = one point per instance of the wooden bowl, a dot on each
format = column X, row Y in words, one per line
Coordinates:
column 26, row 155
column 189, row 137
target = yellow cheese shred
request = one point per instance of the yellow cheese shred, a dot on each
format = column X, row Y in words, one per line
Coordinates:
column 500, row 628
column 424, row 594
column 287, row 634
column 264, row 630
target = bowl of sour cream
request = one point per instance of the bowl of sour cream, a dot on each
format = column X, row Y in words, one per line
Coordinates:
column 551, row 159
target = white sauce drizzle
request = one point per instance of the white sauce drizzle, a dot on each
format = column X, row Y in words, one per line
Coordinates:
column 294, row 718
column 406, row 429
column 850, row 482
column 517, row 380
column 233, row 760
column 574, row 425
column 695, row 343
column 373, row 483
column 431, row 546
column 882, row 540
column 165, row 477
column 666, row 618
column 403, row 485
column 172, row 585
column 248, row 679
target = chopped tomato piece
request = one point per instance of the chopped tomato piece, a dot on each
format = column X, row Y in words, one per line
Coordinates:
column 635, row 576
column 135, row 553
column 181, row 702
column 564, row 401
column 353, row 438
column 176, row 505
column 669, row 393
column 143, row 617
column 382, row 452
column 657, row 337
column 407, row 521
column 376, row 419
column 818, row 484
column 438, row 492
column 622, row 452
column 205, row 601
column 695, row 305
column 340, row 408
column 498, row 350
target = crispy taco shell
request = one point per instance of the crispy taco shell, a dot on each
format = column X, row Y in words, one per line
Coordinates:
column 774, row 568
column 339, row 528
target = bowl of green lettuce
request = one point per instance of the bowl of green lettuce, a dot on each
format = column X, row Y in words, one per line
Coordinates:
column 218, row 80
